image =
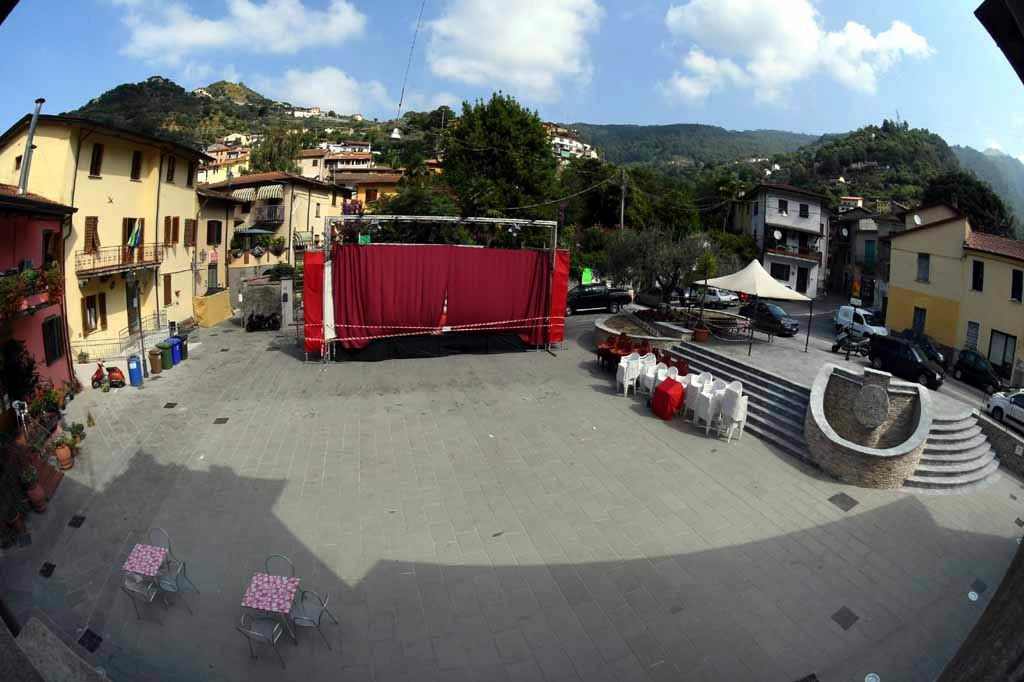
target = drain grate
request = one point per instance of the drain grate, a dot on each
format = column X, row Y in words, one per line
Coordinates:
column 47, row 570
column 845, row 618
column 843, row 501
column 168, row 406
column 1019, row 522
column 220, row 420
column 90, row 640
column 76, row 521
column 25, row 539
column 223, row 350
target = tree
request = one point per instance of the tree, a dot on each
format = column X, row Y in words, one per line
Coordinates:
column 655, row 257
column 276, row 152
column 985, row 209
column 497, row 156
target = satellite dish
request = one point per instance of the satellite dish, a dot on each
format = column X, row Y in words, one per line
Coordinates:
column 917, row 219
column 846, row 233
column 777, row 234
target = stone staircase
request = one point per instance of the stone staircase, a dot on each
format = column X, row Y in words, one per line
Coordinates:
column 956, row 455
column 775, row 405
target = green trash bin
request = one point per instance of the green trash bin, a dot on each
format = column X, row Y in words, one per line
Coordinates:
column 166, row 359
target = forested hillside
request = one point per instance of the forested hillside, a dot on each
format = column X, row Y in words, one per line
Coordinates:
column 1004, row 173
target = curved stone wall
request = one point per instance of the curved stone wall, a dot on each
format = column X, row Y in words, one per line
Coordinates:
column 865, row 430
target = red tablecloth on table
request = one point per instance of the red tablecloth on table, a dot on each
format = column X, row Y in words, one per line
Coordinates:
column 668, row 396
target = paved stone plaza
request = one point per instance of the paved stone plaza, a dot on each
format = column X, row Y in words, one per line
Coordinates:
column 492, row 517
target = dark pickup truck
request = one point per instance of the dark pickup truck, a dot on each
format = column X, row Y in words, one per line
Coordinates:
column 596, row 297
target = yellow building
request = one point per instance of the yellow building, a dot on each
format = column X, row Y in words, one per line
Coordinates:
column 369, row 187
column 216, row 216
column 311, row 163
column 960, row 286
column 130, row 252
column 219, row 171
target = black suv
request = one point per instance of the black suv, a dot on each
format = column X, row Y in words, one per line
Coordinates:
column 770, row 318
column 974, row 368
column 927, row 344
column 904, row 359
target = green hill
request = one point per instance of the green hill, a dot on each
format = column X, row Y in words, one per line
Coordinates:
column 1004, row 173
column 686, row 144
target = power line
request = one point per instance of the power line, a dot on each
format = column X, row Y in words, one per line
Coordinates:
column 556, row 201
column 408, row 64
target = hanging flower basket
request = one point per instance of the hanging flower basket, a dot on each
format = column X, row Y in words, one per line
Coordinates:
column 258, row 251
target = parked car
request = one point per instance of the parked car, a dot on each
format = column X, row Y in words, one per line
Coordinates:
column 652, row 298
column 973, row 368
column 768, row 317
column 927, row 344
column 1007, row 406
column 904, row 359
column 713, row 298
column 596, row 297
column 860, row 321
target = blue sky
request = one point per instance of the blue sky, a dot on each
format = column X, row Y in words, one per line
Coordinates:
column 802, row 65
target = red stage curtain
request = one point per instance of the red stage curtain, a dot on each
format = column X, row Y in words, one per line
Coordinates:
column 385, row 290
column 558, row 296
column 313, row 301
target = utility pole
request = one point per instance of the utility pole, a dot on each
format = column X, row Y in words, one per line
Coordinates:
column 622, row 202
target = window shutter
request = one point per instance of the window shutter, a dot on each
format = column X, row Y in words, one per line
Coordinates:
column 190, row 232
column 167, row 289
column 174, row 229
column 92, row 238
column 126, row 230
column 142, row 233
column 85, row 317
column 102, row 305
column 167, row 230
column 209, row 232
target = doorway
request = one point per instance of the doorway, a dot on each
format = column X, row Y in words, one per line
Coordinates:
column 919, row 320
column 211, row 276
column 1001, row 349
column 801, row 279
column 131, row 291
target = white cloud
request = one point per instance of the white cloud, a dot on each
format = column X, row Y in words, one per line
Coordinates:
column 169, row 32
column 529, row 47
column 769, row 46
column 423, row 101
column 328, row 88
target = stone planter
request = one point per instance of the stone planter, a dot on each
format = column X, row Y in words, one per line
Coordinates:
column 701, row 335
column 36, row 497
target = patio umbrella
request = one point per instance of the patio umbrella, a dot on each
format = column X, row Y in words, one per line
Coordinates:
column 755, row 281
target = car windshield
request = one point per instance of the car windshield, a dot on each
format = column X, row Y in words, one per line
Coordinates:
column 916, row 354
column 775, row 310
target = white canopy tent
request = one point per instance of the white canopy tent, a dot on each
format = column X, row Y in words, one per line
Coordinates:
column 755, row 281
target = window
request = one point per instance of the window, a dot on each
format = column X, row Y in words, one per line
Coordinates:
column 53, row 338
column 805, row 211
column 757, row 207
column 190, row 178
column 94, row 313
column 190, row 232
column 783, row 207
column 334, row 198
column 213, row 232
column 978, row 275
column 924, row 264
column 17, row 162
column 92, row 234
column 128, row 226
column 96, row 165
column 371, row 195
column 51, row 247
column 920, row 319
column 167, row 289
column 136, row 164
column 318, row 209
column 858, row 318
column 973, row 332
column 247, row 207
column 1017, row 286
column 170, row 169
column 780, row 271
column 167, row 230
column 316, row 162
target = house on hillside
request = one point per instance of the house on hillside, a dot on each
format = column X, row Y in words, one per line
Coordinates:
column 129, row 256
column 566, row 145
column 860, row 257
column 369, row 187
column 311, row 162
column 962, row 287
column 791, row 228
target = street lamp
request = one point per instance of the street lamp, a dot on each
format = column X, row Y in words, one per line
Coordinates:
column 396, row 134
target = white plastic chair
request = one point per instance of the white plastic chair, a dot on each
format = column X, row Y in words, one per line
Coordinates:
column 735, row 386
column 648, row 360
column 709, row 406
column 673, row 373
column 648, row 377
column 659, row 376
column 733, row 415
column 705, row 378
column 627, row 373
column 718, row 385
column 694, row 386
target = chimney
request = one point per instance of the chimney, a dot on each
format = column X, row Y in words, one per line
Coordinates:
column 26, row 157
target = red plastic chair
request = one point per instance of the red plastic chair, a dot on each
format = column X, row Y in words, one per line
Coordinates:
column 644, row 348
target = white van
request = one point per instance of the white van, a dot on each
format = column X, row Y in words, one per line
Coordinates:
column 859, row 320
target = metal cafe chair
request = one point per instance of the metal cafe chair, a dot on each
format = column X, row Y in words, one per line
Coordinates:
column 139, row 590
column 308, row 610
column 263, row 631
column 281, row 562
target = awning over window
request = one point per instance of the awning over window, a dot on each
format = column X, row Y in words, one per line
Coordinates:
column 245, row 194
column 253, row 232
column 270, row 192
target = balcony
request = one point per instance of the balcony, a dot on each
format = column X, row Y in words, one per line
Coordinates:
column 801, row 253
column 111, row 259
column 268, row 215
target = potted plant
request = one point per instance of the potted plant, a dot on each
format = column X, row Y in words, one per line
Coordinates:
column 77, row 431
column 53, row 279
column 237, row 246
column 277, row 246
column 12, row 293
column 30, row 482
column 62, row 444
column 83, row 357
column 30, row 280
column 51, row 400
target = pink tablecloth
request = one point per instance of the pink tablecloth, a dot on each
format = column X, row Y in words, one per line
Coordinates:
column 270, row 593
column 145, row 560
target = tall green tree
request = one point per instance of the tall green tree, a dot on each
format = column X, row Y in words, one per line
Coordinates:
column 277, row 151
column 497, row 156
column 985, row 209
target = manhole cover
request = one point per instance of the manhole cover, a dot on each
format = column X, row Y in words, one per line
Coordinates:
column 843, row 501
column 845, row 618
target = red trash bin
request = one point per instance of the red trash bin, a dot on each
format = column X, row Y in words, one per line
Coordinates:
column 668, row 396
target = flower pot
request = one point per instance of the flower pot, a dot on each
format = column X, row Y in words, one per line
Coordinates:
column 277, row 251
column 701, row 335
column 36, row 497
column 64, row 457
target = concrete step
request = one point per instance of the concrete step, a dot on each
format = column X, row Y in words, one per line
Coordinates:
column 748, row 375
column 777, row 418
column 757, row 392
column 954, row 468
column 687, row 348
column 956, row 457
column 919, row 480
column 954, row 436
column 940, row 447
column 787, row 443
column 958, row 424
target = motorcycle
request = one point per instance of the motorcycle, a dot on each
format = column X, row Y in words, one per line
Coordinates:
column 108, row 377
column 260, row 322
column 845, row 340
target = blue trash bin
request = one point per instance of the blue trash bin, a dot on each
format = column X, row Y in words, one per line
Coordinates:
column 134, row 370
column 175, row 349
